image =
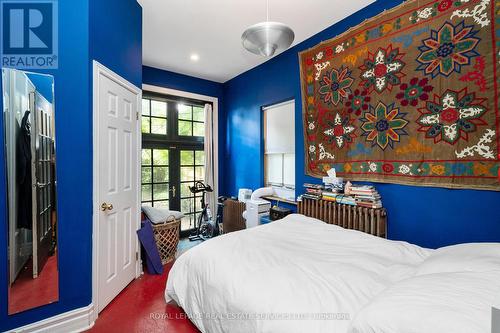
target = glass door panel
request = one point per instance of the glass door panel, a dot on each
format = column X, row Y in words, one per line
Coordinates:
column 192, row 169
column 164, row 170
column 155, row 177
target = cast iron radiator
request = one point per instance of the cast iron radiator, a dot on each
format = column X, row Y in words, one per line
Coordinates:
column 369, row 220
column 232, row 216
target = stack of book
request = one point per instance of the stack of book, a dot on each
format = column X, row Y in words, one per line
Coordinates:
column 330, row 196
column 366, row 196
column 346, row 200
column 359, row 195
column 313, row 191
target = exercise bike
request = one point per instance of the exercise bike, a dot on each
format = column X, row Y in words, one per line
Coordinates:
column 205, row 226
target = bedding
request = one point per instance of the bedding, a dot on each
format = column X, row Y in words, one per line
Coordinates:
column 160, row 215
column 294, row 275
column 472, row 257
column 458, row 302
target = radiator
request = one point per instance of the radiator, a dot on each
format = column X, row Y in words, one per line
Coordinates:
column 232, row 216
column 368, row 220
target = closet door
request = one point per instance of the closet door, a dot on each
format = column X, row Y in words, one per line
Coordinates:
column 118, row 190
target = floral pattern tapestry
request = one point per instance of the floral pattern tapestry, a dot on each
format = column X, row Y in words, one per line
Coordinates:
column 410, row 97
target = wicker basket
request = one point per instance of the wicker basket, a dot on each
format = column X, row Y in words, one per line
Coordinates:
column 167, row 238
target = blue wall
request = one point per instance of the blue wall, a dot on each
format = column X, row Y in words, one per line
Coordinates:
column 116, row 37
column 114, row 29
column 171, row 80
column 429, row 217
column 44, row 84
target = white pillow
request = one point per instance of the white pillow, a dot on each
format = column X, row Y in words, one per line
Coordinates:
column 472, row 257
column 161, row 215
column 459, row 302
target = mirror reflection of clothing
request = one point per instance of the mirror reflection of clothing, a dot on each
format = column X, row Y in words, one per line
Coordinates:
column 24, row 174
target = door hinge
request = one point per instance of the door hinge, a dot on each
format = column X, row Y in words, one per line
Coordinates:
column 137, row 116
column 137, row 256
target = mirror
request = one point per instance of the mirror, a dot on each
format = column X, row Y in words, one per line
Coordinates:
column 29, row 136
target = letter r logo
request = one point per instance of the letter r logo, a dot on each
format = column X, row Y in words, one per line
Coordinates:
column 27, row 28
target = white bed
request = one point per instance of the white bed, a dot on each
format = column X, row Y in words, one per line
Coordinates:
column 302, row 275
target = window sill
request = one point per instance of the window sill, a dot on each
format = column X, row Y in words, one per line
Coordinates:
column 275, row 198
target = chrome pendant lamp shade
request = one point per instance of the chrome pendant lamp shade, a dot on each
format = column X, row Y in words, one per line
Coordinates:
column 266, row 38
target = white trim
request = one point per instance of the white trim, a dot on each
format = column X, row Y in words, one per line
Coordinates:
column 204, row 98
column 272, row 106
column 99, row 69
column 78, row 320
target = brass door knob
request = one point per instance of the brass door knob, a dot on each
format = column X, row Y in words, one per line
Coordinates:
column 105, row 206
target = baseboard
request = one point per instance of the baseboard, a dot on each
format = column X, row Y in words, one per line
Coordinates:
column 77, row 320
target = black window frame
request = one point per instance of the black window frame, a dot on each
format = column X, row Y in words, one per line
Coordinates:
column 172, row 135
column 174, row 142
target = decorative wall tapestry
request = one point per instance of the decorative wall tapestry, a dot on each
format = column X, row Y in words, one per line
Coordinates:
column 410, row 96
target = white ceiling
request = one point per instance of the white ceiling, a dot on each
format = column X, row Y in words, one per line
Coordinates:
column 175, row 29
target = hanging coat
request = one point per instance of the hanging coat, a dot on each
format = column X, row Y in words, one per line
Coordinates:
column 24, row 217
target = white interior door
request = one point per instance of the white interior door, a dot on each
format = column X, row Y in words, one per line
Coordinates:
column 117, row 185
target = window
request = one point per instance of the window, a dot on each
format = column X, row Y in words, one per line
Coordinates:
column 154, row 116
column 279, row 152
column 191, row 120
column 173, row 131
column 155, row 177
column 159, row 113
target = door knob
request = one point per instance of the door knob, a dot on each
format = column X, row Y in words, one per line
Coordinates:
column 106, row 206
column 172, row 189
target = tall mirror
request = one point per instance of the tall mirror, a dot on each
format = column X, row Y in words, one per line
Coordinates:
column 30, row 160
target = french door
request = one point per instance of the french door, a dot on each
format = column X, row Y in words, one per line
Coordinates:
column 167, row 174
column 172, row 154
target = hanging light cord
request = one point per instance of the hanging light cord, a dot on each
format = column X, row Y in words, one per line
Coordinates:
column 267, row 11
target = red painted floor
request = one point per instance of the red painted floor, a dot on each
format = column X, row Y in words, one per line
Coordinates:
column 27, row 293
column 141, row 308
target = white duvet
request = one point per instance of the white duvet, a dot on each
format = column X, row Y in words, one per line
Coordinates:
column 294, row 275
column 455, row 302
column 453, row 290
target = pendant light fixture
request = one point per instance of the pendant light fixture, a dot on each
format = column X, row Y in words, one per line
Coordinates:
column 266, row 38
